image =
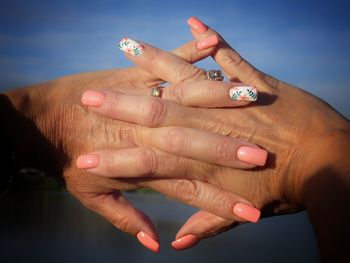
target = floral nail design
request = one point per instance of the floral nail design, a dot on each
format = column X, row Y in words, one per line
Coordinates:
column 131, row 47
column 244, row 93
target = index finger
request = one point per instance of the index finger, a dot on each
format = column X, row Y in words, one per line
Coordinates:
column 157, row 62
column 232, row 63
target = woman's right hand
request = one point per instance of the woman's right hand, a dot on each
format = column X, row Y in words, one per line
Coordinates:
column 305, row 138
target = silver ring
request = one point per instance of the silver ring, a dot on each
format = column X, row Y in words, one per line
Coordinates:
column 156, row 92
column 215, row 75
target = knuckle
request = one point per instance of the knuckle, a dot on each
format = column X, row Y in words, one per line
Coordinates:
column 156, row 56
column 146, row 162
column 123, row 223
column 223, row 202
column 174, row 140
column 108, row 162
column 223, row 150
column 126, row 134
column 231, row 58
column 114, row 105
column 186, row 191
column 154, row 112
column 176, row 93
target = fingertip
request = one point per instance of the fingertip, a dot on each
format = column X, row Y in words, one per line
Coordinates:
column 197, row 25
column 147, row 241
column 185, row 242
column 92, row 98
column 87, row 161
column 208, row 42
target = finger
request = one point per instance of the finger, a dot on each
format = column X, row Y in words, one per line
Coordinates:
column 135, row 162
column 152, row 162
column 189, row 52
column 144, row 110
column 118, row 210
column 210, row 94
column 231, row 62
column 157, row 62
column 206, row 197
column 196, row 50
column 199, row 226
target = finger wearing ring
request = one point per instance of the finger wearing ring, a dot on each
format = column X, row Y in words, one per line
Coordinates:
column 215, row 75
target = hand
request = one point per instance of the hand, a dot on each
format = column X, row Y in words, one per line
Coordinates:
column 57, row 129
column 300, row 145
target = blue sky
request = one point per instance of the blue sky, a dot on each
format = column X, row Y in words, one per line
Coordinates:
column 305, row 43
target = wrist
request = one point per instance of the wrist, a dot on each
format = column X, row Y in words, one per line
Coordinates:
column 326, row 195
column 24, row 112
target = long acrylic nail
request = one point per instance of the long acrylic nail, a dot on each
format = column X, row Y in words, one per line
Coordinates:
column 197, row 25
column 131, row 47
column 185, row 242
column 247, row 212
column 147, row 241
column 93, row 98
column 208, row 42
column 243, row 93
column 252, row 155
column 87, row 161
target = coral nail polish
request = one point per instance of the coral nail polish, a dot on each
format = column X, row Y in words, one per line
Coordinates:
column 93, row 98
column 148, row 241
column 185, row 242
column 208, row 42
column 87, row 161
column 197, row 25
column 247, row 212
column 252, row 155
column 131, row 47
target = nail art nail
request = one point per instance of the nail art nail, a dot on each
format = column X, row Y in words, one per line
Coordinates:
column 244, row 93
column 197, row 25
column 93, row 98
column 87, row 161
column 247, row 212
column 131, row 47
column 185, row 242
column 208, row 42
column 252, row 155
column 147, row 241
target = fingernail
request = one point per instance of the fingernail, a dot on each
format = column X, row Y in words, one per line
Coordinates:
column 197, row 25
column 185, row 242
column 252, row 155
column 208, row 42
column 93, row 98
column 131, row 47
column 87, row 161
column 147, row 241
column 247, row 212
column 244, row 93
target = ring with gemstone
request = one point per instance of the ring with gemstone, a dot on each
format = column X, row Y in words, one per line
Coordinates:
column 156, row 92
column 215, row 75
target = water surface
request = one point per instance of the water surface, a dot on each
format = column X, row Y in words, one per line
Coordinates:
column 52, row 226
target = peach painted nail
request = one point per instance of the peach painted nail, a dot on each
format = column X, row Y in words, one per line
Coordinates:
column 87, row 161
column 197, row 25
column 252, row 155
column 247, row 212
column 93, row 98
column 208, row 42
column 185, row 242
column 147, row 241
